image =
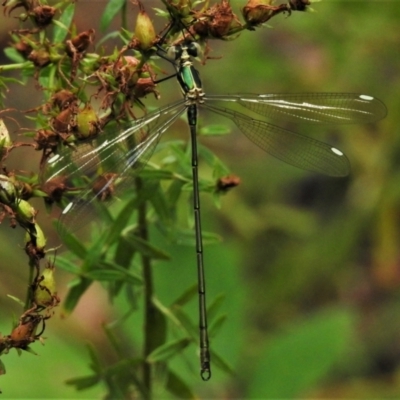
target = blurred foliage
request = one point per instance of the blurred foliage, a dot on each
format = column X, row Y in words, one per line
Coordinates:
column 309, row 267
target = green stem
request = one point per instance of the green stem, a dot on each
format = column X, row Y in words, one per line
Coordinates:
column 11, row 67
column 149, row 314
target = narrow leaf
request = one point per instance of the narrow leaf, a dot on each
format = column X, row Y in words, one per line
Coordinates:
column 185, row 321
column 73, row 244
column 168, row 350
column 111, row 10
column 178, row 387
column 156, row 174
column 186, row 296
column 187, row 237
column 62, row 25
column 160, row 204
column 215, row 305
column 84, row 382
column 95, row 364
column 20, row 302
column 144, row 247
column 75, row 293
column 216, row 326
column 13, row 55
column 67, row 265
column 220, row 363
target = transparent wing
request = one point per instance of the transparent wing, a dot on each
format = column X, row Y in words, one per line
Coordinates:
column 315, row 108
column 96, row 172
column 294, row 149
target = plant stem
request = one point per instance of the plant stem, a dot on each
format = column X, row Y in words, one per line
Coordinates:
column 149, row 322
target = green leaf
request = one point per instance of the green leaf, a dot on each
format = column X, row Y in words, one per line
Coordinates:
column 186, row 296
column 136, row 278
column 13, row 55
column 84, row 382
column 160, row 205
column 185, row 321
column 176, row 386
column 107, row 37
column 157, row 327
column 168, row 350
column 220, row 363
column 68, row 265
column 30, row 350
column 166, row 311
column 62, row 25
column 216, row 326
column 215, row 305
column 156, row 174
column 174, row 191
column 73, row 244
column 144, row 247
column 187, row 237
column 123, row 255
column 95, row 364
column 111, row 273
column 16, row 299
column 219, row 168
column 111, row 10
column 296, row 360
column 75, row 293
column 106, row 275
column 122, row 219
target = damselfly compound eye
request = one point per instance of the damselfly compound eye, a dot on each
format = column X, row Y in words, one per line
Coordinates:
column 174, row 52
column 193, row 49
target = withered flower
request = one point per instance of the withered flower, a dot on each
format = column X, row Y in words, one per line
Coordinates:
column 23, row 47
column 40, row 58
column 63, row 99
column 54, row 188
column 43, row 15
column 217, row 22
column 299, row 5
column 226, row 183
column 257, row 12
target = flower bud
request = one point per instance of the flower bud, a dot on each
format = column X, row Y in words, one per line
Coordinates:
column 144, row 30
column 8, row 192
column 40, row 238
column 25, row 212
column 45, row 293
column 5, row 139
column 87, row 123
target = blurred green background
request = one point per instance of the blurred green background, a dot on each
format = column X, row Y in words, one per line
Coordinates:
column 309, row 265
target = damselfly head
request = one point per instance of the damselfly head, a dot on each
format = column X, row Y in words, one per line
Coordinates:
column 184, row 50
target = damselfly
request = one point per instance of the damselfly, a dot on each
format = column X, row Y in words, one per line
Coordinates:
column 130, row 150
